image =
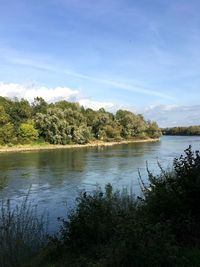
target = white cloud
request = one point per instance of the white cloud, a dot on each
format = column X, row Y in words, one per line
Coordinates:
column 29, row 92
column 96, row 104
column 170, row 115
column 160, row 108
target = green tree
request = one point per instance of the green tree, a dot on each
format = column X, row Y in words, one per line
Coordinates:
column 153, row 130
column 68, row 105
column 81, row 134
column 27, row 132
column 132, row 125
column 39, row 105
column 102, row 119
column 7, row 132
column 19, row 111
column 53, row 126
column 4, row 117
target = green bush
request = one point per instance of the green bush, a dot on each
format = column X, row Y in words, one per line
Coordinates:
column 174, row 198
column 107, row 229
column 115, row 229
column 22, row 233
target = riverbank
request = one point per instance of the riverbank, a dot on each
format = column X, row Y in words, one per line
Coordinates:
column 45, row 146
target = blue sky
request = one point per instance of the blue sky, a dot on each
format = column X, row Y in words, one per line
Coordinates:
column 142, row 55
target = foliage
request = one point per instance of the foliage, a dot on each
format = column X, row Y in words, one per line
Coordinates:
column 174, row 198
column 153, row 130
column 106, row 229
column 81, row 134
column 53, row 127
column 64, row 123
column 191, row 130
column 132, row 124
column 19, row 111
column 7, row 133
column 115, row 229
column 4, row 117
column 22, row 233
column 27, row 132
column 6, row 127
column 39, row 105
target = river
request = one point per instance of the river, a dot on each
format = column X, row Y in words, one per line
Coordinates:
column 56, row 177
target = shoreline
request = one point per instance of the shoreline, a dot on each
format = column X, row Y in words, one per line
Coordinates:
column 22, row 148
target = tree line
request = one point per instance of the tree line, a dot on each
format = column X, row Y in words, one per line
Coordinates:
column 191, row 130
column 65, row 122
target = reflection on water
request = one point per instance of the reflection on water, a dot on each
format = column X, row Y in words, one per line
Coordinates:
column 57, row 176
column 3, row 181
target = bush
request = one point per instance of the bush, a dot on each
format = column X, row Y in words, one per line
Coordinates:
column 114, row 229
column 22, row 234
column 107, row 229
column 174, row 198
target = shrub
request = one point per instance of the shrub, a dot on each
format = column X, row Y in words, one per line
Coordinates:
column 106, row 229
column 114, row 229
column 174, row 198
column 22, row 233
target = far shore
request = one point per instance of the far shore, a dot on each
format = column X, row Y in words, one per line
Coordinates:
column 18, row 148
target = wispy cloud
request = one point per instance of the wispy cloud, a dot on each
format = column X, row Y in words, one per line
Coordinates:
column 123, row 86
column 35, row 62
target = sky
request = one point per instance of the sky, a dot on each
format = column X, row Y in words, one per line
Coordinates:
column 138, row 55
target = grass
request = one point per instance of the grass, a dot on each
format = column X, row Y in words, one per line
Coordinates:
column 22, row 233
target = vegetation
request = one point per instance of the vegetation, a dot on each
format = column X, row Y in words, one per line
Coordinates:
column 67, row 123
column 191, row 130
column 107, row 228
column 22, row 233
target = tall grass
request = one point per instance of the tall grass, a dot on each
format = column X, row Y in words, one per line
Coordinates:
column 22, row 233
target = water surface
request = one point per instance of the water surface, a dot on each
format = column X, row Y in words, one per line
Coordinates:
column 57, row 176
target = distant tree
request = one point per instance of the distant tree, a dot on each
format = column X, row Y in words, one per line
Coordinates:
column 27, row 132
column 153, row 130
column 39, row 105
column 7, row 132
column 81, row 134
column 65, row 122
column 68, row 105
column 4, row 117
column 90, row 116
column 19, row 111
column 191, row 130
column 102, row 119
column 53, row 127
column 132, row 125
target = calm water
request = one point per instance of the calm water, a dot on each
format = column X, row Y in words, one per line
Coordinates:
column 57, row 176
